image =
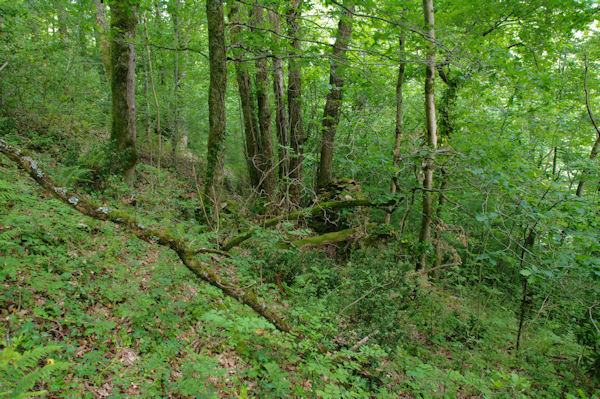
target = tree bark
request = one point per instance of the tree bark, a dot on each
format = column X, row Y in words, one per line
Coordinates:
column 399, row 118
column 213, row 183
column 177, row 76
column 281, row 117
column 122, row 63
column 425, row 232
column 62, row 22
column 101, row 38
column 334, row 98
column 153, row 87
column 246, row 99
column 267, row 169
column 296, row 136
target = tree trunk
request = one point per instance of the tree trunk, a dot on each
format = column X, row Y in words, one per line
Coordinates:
column 266, row 166
column 334, row 98
column 296, row 136
column 153, row 87
column 62, row 22
column 122, row 63
column 213, row 183
column 177, row 76
column 425, row 233
column 101, row 32
column 281, row 117
column 247, row 100
column 399, row 119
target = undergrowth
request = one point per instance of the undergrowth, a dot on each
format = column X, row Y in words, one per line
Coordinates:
column 125, row 318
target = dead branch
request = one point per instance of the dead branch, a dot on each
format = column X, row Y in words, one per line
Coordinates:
column 200, row 268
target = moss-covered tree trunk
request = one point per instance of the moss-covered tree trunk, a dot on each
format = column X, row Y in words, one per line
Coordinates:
column 123, row 22
column 213, row 182
column 425, row 233
column 334, row 98
column 296, row 135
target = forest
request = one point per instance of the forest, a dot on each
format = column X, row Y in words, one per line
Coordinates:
column 300, row 199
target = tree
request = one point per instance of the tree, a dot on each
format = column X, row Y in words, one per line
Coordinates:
column 178, row 75
column 101, row 29
column 296, row 134
column 335, row 96
column 244, row 82
column 213, row 182
column 281, row 117
column 122, row 65
column 266, row 154
column 399, row 116
column 425, row 233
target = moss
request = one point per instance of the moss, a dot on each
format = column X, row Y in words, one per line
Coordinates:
column 323, row 239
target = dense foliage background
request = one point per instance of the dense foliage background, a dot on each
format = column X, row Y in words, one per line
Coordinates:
column 511, row 309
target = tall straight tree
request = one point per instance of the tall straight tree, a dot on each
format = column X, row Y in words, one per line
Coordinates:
column 213, row 183
column 296, row 135
column 123, row 21
column 178, row 75
column 399, row 116
column 101, row 32
column 246, row 98
column 334, row 98
column 268, row 182
column 431, row 122
column 281, row 118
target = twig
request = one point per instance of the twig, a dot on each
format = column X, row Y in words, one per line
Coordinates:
column 364, row 340
column 6, row 63
column 366, row 295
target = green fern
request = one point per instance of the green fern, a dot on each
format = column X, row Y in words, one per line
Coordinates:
column 20, row 372
column 8, row 192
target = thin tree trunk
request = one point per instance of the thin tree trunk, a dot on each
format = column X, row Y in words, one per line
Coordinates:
column 281, row 117
column 268, row 183
column 446, row 131
column 246, row 99
column 425, row 233
column 213, row 183
column 297, row 135
column 528, row 243
column 153, row 87
column 399, row 119
column 62, row 22
column 101, row 32
column 334, row 98
column 122, row 50
column 177, row 75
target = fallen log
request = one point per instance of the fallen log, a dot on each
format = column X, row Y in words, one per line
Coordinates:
column 323, row 239
column 315, row 210
column 187, row 255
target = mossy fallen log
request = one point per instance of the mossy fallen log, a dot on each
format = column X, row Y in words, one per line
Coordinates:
column 315, row 210
column 187, row 255
column 323, row 239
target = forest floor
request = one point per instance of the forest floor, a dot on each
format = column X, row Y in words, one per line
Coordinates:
column 129, row 319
